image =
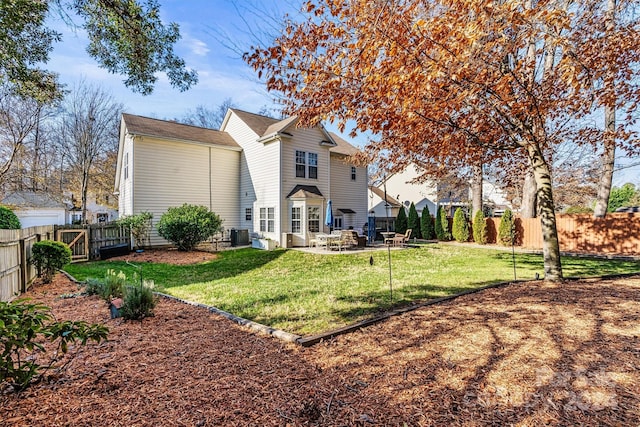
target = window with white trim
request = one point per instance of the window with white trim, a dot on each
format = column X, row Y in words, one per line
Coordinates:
column 263, row 219
column 313, row 165
column 296, row 219
column 301, row 164
column 247, row 214
column 271, row 220
column 337, row 222
column 313, row 219
column 353, row 173
column 306, row 165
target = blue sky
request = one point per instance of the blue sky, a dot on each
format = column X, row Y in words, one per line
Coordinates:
column 207, row 29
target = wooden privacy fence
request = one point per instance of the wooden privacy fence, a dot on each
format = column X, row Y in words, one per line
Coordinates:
column 85, row 241
column 616, row 234
column 16, row 272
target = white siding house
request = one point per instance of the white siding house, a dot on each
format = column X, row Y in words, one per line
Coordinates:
column 261, row 174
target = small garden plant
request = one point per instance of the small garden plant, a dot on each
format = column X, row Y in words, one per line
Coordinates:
column 8, row 219
column 139, row 226
column 24, row 329
column 187, row 225
column 138, row 300
column 49, row 256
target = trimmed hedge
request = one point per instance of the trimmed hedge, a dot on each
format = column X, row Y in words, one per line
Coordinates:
column 8, row 219
column 49, row 256
column 460, row 226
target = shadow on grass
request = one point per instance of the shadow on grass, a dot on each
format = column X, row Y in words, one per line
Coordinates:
column 574, row 266
column 228, row 264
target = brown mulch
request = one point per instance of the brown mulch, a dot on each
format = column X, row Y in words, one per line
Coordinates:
column 527, row 354
column 170, row 256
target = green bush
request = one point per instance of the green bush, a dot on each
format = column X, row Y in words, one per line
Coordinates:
column 479, row 228
column 401, row 221
column 460, row 226
column 506, row 230
column 8, row 219
column 442, row 225
column 138, row 302
column 111, row 286
column 24, row 328
column 188, row 225
column 49, row 256
column 413, row 222
column 426, row 225
column 139, row 226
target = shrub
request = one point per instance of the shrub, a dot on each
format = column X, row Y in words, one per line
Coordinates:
column 8, row 219
column 479, row 228
column 426, row 225
column 506, row 229
column 578, row 210
column 49, row 256
column 442, row 225
column 188, row 225
column 139, row 226
column 413, row 222
column 138, row 301
column 460, row 226
column 401, row 221
column 23, row 329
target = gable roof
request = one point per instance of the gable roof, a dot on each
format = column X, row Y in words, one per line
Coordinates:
column 145, row 126
column 342, row 146
column 305, row 192
column 31, row 199
column 259, row 124
column 380, row 193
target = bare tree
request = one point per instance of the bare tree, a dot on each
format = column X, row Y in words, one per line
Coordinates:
column 206, row 117
column 88, row 133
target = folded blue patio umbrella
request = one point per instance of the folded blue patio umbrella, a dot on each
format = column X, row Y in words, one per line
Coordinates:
column 328, row 219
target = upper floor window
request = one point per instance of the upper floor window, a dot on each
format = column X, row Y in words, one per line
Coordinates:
column 353, row 173
column 313, row 165
column 301, row 164
column 247, row 214
column 306, row 165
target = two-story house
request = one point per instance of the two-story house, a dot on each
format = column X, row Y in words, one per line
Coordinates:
column 261, row 174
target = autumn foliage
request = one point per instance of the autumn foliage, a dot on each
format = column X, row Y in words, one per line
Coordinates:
column 447, row 84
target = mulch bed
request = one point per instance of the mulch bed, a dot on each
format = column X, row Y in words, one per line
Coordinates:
column 528, row 354
column 167, row 256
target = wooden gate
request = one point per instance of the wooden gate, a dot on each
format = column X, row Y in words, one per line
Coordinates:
column 78, row 242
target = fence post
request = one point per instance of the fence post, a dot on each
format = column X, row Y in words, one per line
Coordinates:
column 23, row 265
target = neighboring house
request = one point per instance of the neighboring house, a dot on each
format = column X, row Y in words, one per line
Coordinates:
column 34, row 208
column 264, row 175
column 401, row 185
column 96, row 212
column 384, row 213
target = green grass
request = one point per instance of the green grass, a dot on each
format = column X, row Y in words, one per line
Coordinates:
column 307, row 293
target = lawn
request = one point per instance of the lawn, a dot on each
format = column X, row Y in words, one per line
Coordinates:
column 307, row 293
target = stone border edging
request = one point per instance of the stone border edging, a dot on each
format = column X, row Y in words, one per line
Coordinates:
column 315, row 339
column 278, row 333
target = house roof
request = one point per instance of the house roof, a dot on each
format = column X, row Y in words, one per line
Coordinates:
column 380, row 193
column 261, row 125
column 31, row 199
column 342, row 147
column 146, row 126
column 347, row 211
column 305, row 192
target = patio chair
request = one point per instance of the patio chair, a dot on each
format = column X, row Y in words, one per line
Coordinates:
column 349, row 239
column 311, row 240
column 402, row 239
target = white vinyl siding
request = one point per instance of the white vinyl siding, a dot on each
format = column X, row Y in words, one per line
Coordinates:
column 259, row 173
column 172, row 173
column 347, row 193
column 125, row 196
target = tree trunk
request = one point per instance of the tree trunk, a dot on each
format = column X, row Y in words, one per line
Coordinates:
column 528, row 207
column 550, row 245
column 476, row 189
column 609, row 153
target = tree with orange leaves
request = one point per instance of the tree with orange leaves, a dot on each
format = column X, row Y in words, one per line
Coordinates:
column 450, row 83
